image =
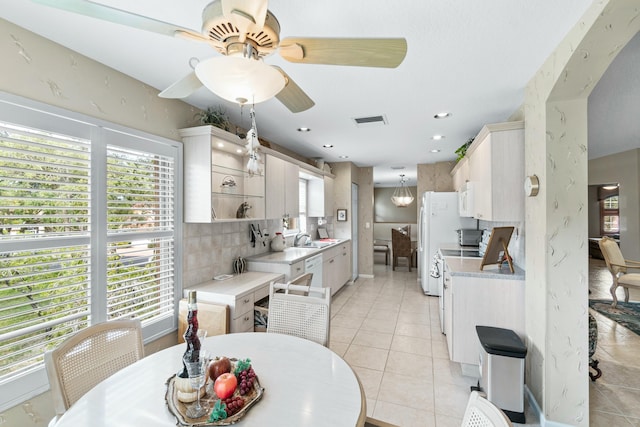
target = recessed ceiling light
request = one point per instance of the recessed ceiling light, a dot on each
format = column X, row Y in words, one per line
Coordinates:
column 343, row 157
column 397, row 168
column 303, row 129
column 442, row 115
column 328, row 145
column 435, row 150
column 220, row 144
column 437, row 137
column 239, row 150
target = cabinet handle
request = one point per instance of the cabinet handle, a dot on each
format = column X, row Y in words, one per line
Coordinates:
column 331, row 261
column 298, row 269
column 246, row 300
column 246, row 318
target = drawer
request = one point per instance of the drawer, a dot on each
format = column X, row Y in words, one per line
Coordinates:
column 244, row 323
column 261, row 293
column 296, row 270
column 244, row 304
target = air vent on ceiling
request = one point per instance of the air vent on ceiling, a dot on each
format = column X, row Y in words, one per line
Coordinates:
column 370, row 121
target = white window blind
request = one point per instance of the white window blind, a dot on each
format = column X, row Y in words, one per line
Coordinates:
column 89, row 231
column 140, row 223
column 45, row 203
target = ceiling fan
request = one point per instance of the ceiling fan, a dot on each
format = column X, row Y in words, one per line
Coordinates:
column 245, row 32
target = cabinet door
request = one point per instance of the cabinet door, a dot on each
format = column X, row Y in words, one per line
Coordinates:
column 315, row 197
column 329, row 208
column 275, row 186
column 291, row 190
column 448, row 312
column 480, row 174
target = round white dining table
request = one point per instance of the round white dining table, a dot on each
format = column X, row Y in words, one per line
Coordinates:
column 305, row 384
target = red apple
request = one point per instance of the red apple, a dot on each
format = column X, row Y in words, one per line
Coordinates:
column 225, row 385
column 218, row 367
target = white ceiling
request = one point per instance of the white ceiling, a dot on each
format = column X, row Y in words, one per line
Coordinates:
column 471, row 58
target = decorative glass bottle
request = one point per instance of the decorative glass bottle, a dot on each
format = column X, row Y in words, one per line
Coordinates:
column 191, row 334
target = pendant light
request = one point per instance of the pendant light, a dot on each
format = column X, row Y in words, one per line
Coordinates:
column 402, row 196
column 253, row 144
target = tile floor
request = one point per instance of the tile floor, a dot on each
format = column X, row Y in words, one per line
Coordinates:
column 614, row 397
column 389, row 332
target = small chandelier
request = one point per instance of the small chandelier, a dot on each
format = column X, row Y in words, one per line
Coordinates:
column 252, row 146
column 402, row 196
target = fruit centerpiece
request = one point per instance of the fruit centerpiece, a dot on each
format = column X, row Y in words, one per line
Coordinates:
column 231, row 388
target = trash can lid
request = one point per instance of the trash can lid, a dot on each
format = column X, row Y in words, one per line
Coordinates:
column 502, row 342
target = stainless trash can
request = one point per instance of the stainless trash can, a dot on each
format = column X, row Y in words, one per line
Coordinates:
column 502, row 370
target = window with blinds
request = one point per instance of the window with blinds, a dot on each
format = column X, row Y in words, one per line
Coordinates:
column 45, row 202
column 88, row 233
column 140, row 252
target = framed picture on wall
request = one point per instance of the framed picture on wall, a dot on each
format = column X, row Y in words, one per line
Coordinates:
column 342, row 215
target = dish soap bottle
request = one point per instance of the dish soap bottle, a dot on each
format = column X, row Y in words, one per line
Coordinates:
column 278, row 243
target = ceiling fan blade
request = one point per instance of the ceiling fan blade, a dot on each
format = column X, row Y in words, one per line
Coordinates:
column 386, row 53
column 183, row 87
column 118, row 16
column 292, row 96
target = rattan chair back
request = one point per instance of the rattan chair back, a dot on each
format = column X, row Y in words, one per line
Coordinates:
column 299, row 315
column 90, row 356
column 481, row 412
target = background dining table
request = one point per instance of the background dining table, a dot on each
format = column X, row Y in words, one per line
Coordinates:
column 305, row 384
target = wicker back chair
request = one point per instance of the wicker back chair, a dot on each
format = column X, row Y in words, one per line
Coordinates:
column 90, row 356
column 302, row 316
column 481, row 412
column 401, row 247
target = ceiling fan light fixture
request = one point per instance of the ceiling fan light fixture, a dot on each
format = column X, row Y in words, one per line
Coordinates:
column 402, row 196
column 236, row 78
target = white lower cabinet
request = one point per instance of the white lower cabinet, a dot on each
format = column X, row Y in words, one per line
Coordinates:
column 240, row 293
column 336, row 266
column 471, row 301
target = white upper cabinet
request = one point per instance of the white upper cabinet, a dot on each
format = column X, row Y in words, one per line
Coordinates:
column 216, row 184
column 496, row 171
column 320, row 197
column 282, row 195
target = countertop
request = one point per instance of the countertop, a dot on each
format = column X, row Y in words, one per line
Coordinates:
column 470, row 267
column 291, row 255
column 237, row 285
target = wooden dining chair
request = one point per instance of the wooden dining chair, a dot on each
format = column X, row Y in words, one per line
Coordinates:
column 401, row 247
column 90, row 356
column 298, row 315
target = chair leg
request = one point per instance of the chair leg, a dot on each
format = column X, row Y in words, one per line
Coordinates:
column 386, row 257
column 626, row 294
column 593, row 364
column 613, row 294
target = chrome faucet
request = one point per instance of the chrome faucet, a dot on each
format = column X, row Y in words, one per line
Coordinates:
column 299, row 236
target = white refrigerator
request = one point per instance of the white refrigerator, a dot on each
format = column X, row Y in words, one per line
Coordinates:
column 438, row 223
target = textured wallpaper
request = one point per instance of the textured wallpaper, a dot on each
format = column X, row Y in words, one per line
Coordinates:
column 556, row 220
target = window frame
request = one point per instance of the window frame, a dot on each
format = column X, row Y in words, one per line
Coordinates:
column 14, row 109
column 604, row 212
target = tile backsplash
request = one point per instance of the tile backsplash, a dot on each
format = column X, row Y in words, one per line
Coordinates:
column 210, row 249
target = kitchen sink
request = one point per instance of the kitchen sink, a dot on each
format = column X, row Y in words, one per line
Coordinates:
column 318, row 244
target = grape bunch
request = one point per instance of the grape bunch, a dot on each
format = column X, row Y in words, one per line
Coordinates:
column 233, row 405
column 245, row 380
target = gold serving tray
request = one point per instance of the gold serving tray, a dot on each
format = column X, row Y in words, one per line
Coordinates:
column 179, row 409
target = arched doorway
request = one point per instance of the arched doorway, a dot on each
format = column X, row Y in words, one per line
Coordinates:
column 555, row 114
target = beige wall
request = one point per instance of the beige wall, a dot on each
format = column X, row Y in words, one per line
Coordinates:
column 555, row 111
column 365, row 215
column 623, row 168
